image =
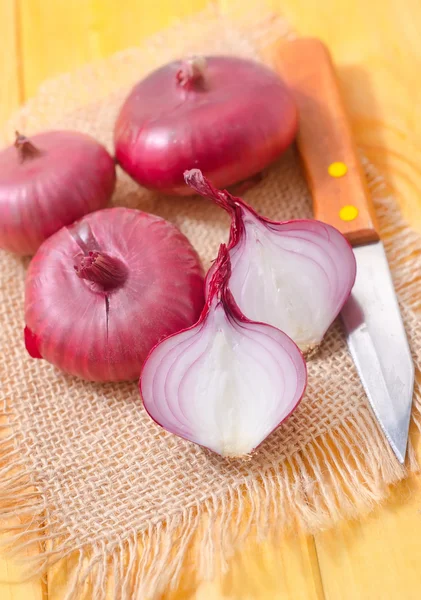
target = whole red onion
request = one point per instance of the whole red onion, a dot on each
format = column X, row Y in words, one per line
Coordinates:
column 49, row 181
column 101, row 293
column 227, row 116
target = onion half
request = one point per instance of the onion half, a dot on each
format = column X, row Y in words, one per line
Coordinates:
column 295, row 275
column 49, row 181
column 227, row 382
column 101, row 293
column 228, row 116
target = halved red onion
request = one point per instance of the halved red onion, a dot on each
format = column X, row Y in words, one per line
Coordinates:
column 227, row 382
column 295, row 275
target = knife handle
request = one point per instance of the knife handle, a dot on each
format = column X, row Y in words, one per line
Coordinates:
column 325, row 138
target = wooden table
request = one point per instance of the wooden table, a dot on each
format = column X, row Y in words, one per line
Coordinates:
column 377, row 46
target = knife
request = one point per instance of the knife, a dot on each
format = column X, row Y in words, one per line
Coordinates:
column 375, row 333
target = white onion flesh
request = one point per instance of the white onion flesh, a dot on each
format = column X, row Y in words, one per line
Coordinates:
column 294, row 275
column 226, row 383
column 287, row 275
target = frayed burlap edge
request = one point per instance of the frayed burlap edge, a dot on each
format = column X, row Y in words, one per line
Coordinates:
column 327, row 480
column 323, row 482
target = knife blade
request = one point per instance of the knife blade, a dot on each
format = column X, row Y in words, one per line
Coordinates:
column 377, row 341
column 375, row 332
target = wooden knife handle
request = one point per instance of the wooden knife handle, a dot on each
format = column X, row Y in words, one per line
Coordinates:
column 325, row 138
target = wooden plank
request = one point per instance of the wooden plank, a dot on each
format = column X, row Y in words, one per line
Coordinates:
column 288, row 571
column 267, row 572
column 100, row 29
column 118, row 28
column 12, row 584
column 55, row 38
column 377, row 49
column 10, row 98
column 11, row 587
column 378, row 558
column 58, row 36
column 10, row 92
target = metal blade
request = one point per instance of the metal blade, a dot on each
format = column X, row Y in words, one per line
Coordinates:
column 379, row 346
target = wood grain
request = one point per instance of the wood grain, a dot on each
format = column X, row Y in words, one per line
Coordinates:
column 267, row 572
column 377, row 48
column 11, row 96
column 58, row 36
column 379, row 558
column 378, row 53
column 10, row 81
column 325, row 137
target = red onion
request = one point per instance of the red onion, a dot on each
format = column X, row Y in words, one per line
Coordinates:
column 227, row 382
column 228, row 116
column 295, row 275
column 101, row 293
column 49, row 181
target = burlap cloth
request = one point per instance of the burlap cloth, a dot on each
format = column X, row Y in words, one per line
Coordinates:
column 109, row 484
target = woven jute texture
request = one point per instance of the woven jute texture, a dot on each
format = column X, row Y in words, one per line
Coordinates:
column 85, row 469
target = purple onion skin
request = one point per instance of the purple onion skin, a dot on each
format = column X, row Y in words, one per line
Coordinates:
column 105, row 336
column 234, row 123
column 73, row 175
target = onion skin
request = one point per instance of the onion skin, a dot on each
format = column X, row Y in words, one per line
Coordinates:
column 86, row 326
column 172, row 406
column 231, row 119
column 64, row 176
